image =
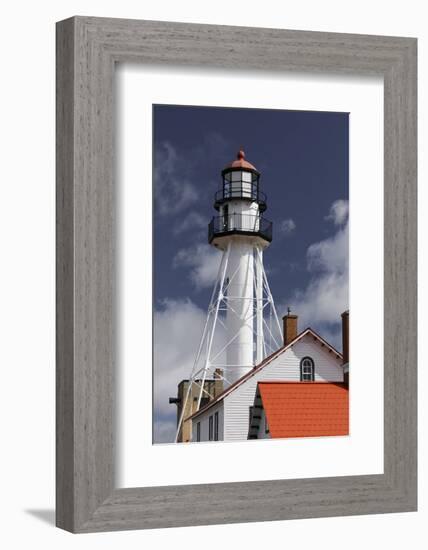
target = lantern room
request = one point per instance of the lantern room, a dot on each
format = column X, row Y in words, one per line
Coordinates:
column 240, row 204
column 240, row 180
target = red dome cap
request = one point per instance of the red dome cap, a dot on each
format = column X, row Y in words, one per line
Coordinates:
column 240, row 162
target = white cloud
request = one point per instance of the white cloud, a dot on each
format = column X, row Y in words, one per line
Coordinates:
column 173, row 191
column 323, row 300
column 287, row 226
column 214, row 144
column 326, row 296
column 330, row 255
column 203, row 261
column 174, row 187
column 339, row 211
column 177, row 330
column 178, row 327
column 193, row 220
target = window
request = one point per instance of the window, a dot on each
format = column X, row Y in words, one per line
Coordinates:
column 198, row 431
column 216, row 426
column 210, row 428
column 307, row 370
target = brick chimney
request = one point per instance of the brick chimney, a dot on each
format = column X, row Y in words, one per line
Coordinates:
column 290, row 327
column 345, row 344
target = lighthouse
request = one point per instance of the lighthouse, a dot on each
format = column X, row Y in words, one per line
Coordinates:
column 241, row 309
column 242, row 233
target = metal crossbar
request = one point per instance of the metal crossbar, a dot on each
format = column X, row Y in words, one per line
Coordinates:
column 260, row 305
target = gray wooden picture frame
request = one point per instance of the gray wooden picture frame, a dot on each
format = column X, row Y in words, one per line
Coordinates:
column 87, row 50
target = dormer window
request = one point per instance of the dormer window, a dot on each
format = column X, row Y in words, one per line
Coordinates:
column 307, row 370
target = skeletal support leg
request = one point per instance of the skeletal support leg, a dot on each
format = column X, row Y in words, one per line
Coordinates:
column 247, row 311
column 270, row 298
column 259, row 306
column 207, row 331
column 210, row 340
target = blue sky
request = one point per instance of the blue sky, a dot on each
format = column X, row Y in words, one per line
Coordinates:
column 303, row 159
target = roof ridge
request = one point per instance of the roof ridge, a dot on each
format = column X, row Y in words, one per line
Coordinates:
column 306, row 382
column 258, row 367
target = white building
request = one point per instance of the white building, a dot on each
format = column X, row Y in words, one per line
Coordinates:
column 305, row 357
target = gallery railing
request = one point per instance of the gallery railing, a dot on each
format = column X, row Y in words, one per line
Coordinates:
column 241, row 190
column 240, row 223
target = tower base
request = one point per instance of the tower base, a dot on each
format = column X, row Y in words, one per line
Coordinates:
column 242, row 326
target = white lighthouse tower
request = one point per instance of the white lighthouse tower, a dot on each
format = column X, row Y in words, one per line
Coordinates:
column 242, row 326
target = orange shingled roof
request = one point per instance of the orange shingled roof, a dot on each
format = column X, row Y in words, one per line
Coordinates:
column 305, row 409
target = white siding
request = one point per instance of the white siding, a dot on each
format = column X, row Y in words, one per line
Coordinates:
column 204, row 420
column 285, row 367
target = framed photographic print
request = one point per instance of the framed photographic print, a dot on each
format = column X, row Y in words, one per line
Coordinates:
column 227, row 198
column 221, row 397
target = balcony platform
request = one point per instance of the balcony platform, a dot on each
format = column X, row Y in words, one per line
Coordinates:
column 240, row 224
